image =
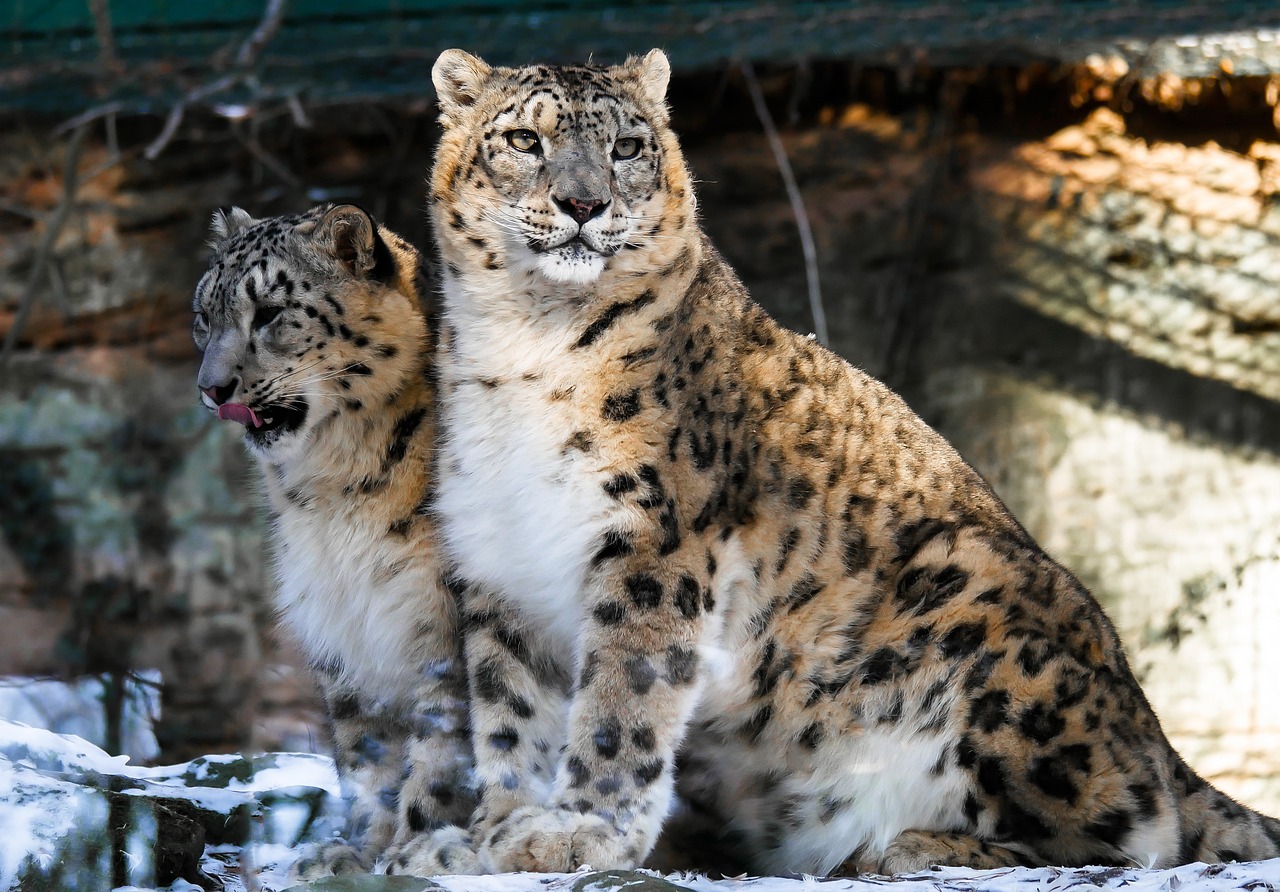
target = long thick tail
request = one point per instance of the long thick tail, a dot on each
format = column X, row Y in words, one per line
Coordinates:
column 1217, row 828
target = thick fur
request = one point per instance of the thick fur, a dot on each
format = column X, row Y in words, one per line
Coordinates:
column 702, row 550
column 315, row 319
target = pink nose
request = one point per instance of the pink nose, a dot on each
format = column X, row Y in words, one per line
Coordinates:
column 581, row 209
column 219, row 393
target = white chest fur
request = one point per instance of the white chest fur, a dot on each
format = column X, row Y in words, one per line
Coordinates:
column 520, row 508
column 350, row 592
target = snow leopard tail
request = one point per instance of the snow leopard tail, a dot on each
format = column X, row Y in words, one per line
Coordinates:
column 1216, row 828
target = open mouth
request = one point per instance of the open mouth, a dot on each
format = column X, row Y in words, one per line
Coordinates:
column 265, row 425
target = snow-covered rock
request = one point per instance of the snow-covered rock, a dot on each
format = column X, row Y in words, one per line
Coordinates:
column 73, row 817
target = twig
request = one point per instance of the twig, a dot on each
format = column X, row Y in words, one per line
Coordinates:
column 90, row 115
column 102, row 30
column 299, row 113
column 269, row 161
column 18, row 210
column 797, row 203
column 899, row 337
column 171, row 124
column 53, row 228
column 272, row 19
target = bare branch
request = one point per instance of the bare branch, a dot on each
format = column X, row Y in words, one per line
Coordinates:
column 272, row 19
column 89, row 115
column 102, row 30
column 53, row 228
column 797, row 203
column 299, row 113
column 265, row 158
column 174, row 121
column 19, row 210
column 171, row 125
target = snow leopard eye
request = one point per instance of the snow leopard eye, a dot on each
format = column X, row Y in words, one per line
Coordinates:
column 525, row 141
column 626, row 148
column 200, row 330
column 265, row 316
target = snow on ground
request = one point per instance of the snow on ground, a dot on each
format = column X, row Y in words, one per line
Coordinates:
column 244, row 819
column 74, row 706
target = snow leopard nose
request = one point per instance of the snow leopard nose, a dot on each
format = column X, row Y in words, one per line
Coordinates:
column 220, row 393
column 582, row 209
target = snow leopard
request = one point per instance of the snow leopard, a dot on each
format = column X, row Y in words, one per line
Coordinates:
column 315, row 338
column 699, row 553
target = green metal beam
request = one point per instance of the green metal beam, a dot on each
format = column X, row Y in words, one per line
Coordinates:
column 335, row 50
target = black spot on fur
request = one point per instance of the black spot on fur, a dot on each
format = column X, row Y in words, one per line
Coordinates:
column 688, row 598
column 590, row 666
column 805, row 589
column 670, row 530
column 345, row 706
column 757, row 723
column 1053, row 779
column 488, row 681
column 682, row 665
column 1144, row 801
column 914, row 536
column 619, row 407
column 1018, row 823
column 856, row 554
column 964, row 639
column 619, row 485
column 442, row 793
column 610, row 316
column 811, row 736
column 1041, row 723
column 578, row 772
column 522, row 708
column 1111, row 828
column 640, row 674
column 1034, row 654
column 401, row 435
column 648, row 772
column 417, row 820
column 504, row 739
column 645, row 591
column 608, row 737
column 609, row 613
column 922, row 590
column 615, row 544
column 644, row 739
column 884, row 665
column 799, row 492
column 990, row 711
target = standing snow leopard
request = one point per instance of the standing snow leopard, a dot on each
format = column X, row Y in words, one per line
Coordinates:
column 314, row 339
column 700, row 551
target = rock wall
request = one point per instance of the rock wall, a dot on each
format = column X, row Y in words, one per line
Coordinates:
column 1087, row 311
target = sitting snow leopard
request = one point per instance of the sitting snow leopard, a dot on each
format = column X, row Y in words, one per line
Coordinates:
column 701, row 552
column 314, row 340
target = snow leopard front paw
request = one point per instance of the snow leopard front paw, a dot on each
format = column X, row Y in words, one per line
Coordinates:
column 327, row 859
column 554, row 841
column 443, row 852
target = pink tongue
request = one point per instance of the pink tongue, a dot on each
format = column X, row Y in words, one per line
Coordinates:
column 237, row 412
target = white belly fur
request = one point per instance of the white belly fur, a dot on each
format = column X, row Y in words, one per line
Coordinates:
column 519, row 512
column 331, row 598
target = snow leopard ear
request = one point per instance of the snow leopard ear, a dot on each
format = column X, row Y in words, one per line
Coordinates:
column 653, row 71
column 458, row 77
column 224, row 226
column 349, row 235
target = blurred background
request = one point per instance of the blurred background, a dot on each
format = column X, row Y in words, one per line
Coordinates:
column 1053, row 226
